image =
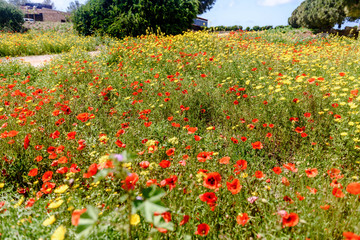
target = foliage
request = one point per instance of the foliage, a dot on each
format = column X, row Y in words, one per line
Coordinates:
column 134, row 17
column 18, row 2
column 205, row 5
column 73, row 6
column 324, row 14
column 237, row 136
column 11, row 18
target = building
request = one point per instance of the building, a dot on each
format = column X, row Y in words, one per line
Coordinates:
column 43, row 13
column 200, row 22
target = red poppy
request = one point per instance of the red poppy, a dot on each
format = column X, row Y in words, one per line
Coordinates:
column 291, row 167
column 192, row 130
column 212, row 181
column 130, row 181
column 337, row 192
column 202, row 229
column 62, row 170
column 184, row 220
column 257, row 145
column 203, row 156
column 208, row 197
column 170, row 152
column 165, row 164
column 259, row 174
column 277, row 170
column 224, row 160
column 290, row 220
column 351, row 236
column 84, row 117
column 325, row 207
column 311, row 172
column 234, row 187
column 27, row 141
column 197, row 138
column 353, row 188
column 91, row 171
column 47, row 187
column 242, row 219
column 75, row 216
column 307, row 114
column 33, row 172
column 285, row 181
column 55, row 135
column 47, row 176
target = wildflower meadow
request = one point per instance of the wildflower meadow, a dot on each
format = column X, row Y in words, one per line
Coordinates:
column 247, row 135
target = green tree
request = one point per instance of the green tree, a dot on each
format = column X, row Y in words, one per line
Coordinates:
column 121, row 18
column 73, row 6
column 11, row 18
column 18, row 2
column 324, row 14
column 205, row 5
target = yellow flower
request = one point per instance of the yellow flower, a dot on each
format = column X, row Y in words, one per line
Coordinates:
column 135, row 219
column 56, row 204
column 59, row 233
column 2, row 185
column 61, row 189
column 49, row 221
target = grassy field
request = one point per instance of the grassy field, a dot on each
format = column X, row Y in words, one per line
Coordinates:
column 45, row 38
column 244, row 136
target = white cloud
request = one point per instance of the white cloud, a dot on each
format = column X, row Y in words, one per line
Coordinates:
column 271, row 3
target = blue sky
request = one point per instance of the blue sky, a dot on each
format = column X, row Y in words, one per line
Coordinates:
column 246, row 13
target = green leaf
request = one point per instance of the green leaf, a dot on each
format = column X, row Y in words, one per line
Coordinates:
column 152, row 204
column 87, row 222
column 102, row 174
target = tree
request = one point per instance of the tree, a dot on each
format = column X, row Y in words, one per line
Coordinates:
column 11, row 18
column 18, row 2
column 324, row 14
column 73, row 6
column 205, row 5
column 49, row 2
column 120, row 18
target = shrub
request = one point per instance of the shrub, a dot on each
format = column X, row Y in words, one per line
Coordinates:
column 11, row 18
column 135, row 17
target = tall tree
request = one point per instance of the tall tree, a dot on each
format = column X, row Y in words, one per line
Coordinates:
column 11, row 18
column 73, row 6
column 324, row 14
column 205, row 5
column 49, row 2
column 18, row 2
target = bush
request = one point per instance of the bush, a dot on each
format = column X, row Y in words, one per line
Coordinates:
column 11, row 18
column 135, row 17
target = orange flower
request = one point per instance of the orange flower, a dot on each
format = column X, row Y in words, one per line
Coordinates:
column 192, row 130
column 84, row 117
column 47, row 176
column 325, row 207
column 311, row 172
column 242, row 219
column 202, row 229
column 170, row 152
column 203, row 156
column 224, row 160
column 290, row 220
column 257, row 145
column 285, row 181
column 259, row 174
column 234, row 187
column 291, row 167
column 212, row 181
column 75, row 216
column 351, row 236
column 353, row 188
column 33, row 172
column 337, row 192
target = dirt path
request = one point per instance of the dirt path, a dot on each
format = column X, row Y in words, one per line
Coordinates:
column 40, row 60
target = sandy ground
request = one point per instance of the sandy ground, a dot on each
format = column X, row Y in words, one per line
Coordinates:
column 40, row 60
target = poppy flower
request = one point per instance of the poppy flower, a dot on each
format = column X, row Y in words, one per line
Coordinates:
column 84, row 117
column 285, row 181
column 234, row 187
column 170, row 152
column 224, row 160
column 291, row 167
column 257, row 145
column 353, row 188
column 192, row 130
column 277, row 170
column 130, row 181
column 75, row 216
column 208, row 197
column 351, row 236
column 325, row 207
column 203, row 156
column 212, row 181
column 91, row 171
column 47, row 176
column 242, row 219
column 197, row 138
column 202, row 229
column 33, row 172
column 165, row 164
column 184, row 220
column 337, row 192
column 311, row 172
column 290, row 220
column 27, row 141
column 259, row 174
